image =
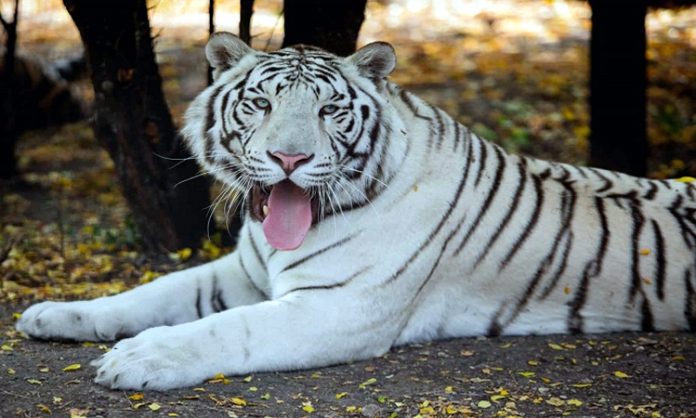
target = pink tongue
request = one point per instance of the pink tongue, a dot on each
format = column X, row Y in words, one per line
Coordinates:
column 289, row 216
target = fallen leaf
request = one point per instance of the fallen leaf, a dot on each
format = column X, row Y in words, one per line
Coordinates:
column 72, row 367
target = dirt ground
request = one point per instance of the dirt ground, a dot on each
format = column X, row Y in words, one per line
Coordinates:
column 619, row 375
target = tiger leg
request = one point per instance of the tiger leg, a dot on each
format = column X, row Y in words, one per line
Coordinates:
column 176, row 298
column 308, row 328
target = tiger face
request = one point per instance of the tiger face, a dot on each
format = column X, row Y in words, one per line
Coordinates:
column 295, row 130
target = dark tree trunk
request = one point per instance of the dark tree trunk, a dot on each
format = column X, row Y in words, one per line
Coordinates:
column 246, row 10
column 331, row 25
column 617, row 86
column 133, row 123
column 9, row 132
column 211, row 31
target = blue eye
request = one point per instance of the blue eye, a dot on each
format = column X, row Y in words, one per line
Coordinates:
column 328, row 109
column 262, row 103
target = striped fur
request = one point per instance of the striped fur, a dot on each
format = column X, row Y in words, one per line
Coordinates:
column 426, row 231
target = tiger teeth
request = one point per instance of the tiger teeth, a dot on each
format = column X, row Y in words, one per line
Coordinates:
column 264, row 209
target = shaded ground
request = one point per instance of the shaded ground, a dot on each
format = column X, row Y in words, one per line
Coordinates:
column 621, row 375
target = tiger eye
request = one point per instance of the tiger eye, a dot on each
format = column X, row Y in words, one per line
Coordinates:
column 328, row 109
column 262, row 103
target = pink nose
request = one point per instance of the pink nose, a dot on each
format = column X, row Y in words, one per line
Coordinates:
column 290, row 162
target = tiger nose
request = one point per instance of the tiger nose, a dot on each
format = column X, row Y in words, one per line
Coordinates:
column 289, row 162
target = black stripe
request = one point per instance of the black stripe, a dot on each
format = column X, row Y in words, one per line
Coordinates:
column 608, row 184
column 199, row 310
column 318, row 252
column 522, row 172
column 336, row 285
column 690, row 304
column 213, row 295
column 482, row 161
column 638, row 221
column 457, row 136
column 650, row 195
column 647, row 321
column 533, row 219
column 686, row 233
column 495, row 186
column 592, row 269
column 660, row 260
column 567, row 234
column 406, row 99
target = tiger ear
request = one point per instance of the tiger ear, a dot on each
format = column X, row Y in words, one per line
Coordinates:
column 224, row 50
column 376, row 60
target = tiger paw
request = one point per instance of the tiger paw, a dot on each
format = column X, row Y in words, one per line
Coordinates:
column 79, row 321
column 157, row 359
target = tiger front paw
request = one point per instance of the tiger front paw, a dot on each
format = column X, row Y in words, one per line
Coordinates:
column 159, row 358
column 79, row 321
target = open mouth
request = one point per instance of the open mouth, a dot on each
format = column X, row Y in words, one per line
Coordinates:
column 286, row 211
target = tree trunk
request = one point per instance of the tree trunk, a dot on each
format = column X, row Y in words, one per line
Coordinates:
column 9, row 132
column 132, row 121
column 246, row 9
column 331, row 25
column 617, row 86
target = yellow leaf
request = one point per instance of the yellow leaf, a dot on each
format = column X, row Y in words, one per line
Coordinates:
column 686, row 179
column 11, row 371
column 581, row 385
column 496, row 398
column 172, row 414
column 449, row 389
column 533, row 363
column 34, row 381
column 136, row 397
column 678, row 358
column 527, row 374
column 644, row 251
column 621, row 374
column 368, row 382
column 483, row 404
column 341, row 395
column 16, row 315
column 6, row 347
column 307, row 407
column 450, row 410
column 247, row 379
column 555, row 401
column 72, row 367
column 238, row 401
column 555, row 346
column 43, row 408
column 428, row 410
column 574, row 402
column 154, row 406
column 351, row 408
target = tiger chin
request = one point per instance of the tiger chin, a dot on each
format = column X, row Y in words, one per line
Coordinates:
column 373, row 219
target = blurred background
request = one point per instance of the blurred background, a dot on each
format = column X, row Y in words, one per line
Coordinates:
column 515, row 71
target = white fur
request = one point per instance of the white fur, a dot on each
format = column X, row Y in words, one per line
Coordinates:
column 398, row 277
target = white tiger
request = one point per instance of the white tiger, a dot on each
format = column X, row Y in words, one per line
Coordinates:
column 374, row 220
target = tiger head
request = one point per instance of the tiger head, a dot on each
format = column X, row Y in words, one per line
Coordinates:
column 300, row 132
